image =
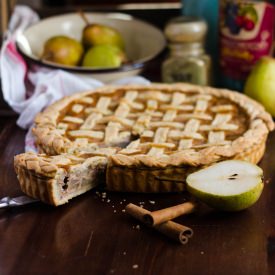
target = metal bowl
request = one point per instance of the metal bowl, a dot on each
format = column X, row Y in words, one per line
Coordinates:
column 143, row 42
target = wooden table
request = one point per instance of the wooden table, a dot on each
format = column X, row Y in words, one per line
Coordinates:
column 92, row 235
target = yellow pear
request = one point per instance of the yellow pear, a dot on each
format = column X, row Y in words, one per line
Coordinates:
column 260, row 84
column 103, row 56
column 97, row 34
column 63, row 50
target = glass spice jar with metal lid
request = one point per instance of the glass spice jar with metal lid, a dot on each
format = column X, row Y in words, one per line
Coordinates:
column 187, row 61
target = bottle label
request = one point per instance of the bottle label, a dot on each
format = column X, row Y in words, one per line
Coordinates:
column 246, row 34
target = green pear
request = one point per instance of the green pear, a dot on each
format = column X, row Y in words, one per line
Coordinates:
column 63, row 50
column 231, row 185
column 103, row 56
column 260, row 84
column 97, row 34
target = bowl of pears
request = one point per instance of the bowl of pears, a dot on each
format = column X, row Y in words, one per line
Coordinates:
column 105, row 46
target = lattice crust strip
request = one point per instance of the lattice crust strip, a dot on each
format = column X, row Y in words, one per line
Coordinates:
column 165, row 122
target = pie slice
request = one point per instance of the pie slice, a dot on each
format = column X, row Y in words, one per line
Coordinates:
column 57, row 179
column 142, row 138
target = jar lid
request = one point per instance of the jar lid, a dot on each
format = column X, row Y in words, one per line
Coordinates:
column 186, row 29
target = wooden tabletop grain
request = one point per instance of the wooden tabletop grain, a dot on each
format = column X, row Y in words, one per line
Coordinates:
column 92, row 234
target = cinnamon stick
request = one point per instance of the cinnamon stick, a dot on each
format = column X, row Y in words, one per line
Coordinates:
column 175, row 231
column 170, row 213
column 171, row 229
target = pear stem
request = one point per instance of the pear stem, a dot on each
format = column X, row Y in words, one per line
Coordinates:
column 84, row 17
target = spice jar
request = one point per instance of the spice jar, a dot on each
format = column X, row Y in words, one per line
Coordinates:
column 187, row 61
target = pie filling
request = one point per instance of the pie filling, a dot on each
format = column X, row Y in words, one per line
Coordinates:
column 80, row 178
column 58, row 179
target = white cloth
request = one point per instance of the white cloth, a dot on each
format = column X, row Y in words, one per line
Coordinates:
column 29, row 92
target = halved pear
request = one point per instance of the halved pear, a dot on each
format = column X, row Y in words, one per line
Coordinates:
column 230, row 185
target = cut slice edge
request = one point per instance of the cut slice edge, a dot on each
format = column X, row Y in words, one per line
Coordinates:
column 59, row 184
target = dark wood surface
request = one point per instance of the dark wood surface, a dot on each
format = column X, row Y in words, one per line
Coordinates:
column 91, row 235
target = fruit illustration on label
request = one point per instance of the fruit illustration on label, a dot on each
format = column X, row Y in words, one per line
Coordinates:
column 249, row 25
column 240, row 16
column 240, row 21
column 231, row 17
column 250, row 17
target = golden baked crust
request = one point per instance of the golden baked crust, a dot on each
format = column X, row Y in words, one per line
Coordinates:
column 55, row 180
column 153, row 136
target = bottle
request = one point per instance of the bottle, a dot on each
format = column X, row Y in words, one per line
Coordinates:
column 187, row 61
column 209, row 11
column 246, row 34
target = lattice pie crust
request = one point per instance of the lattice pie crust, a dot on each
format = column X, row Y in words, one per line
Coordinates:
column 141, row 138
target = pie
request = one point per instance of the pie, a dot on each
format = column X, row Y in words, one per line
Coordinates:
column 138, row 139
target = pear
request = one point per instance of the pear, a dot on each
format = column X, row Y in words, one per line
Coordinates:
column 103, row 56
column 97, row 34
column 260, row 84
column 63, row 50
column 231, row 185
